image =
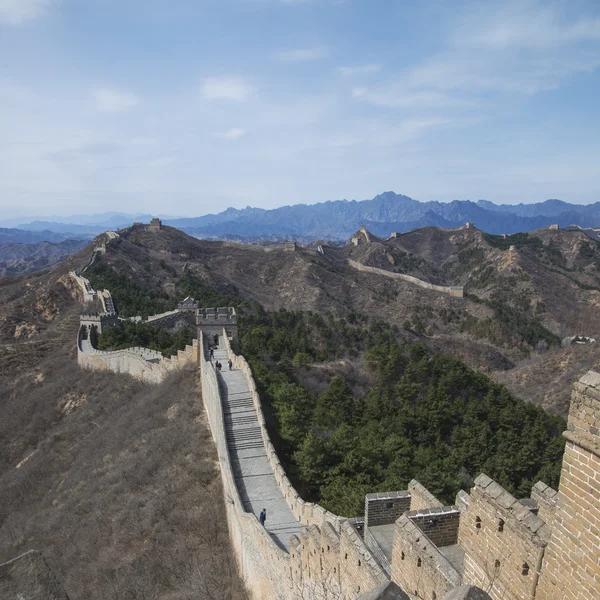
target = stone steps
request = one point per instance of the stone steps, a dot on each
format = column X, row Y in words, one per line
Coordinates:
column 252, row 471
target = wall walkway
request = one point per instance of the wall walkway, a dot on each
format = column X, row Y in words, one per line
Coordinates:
column 305, row 551
column 252, row 471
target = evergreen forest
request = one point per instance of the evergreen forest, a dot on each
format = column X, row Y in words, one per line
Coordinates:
column 428, row 417
column 128, row 334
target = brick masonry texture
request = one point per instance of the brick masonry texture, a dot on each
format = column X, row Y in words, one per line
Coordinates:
column 571, row 567
column 440, row 525
column 328, row 560
column 384, row 508
column 418, row 567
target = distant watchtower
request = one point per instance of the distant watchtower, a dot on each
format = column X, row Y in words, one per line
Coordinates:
column 155, row 225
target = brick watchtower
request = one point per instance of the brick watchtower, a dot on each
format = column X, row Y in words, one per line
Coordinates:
column 571, row 567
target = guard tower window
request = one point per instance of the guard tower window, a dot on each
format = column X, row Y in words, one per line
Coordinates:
column 402, row 555
column 525, row 569
column 477, row 522
column 501, row 525
column 496, row 564
column 418, row 562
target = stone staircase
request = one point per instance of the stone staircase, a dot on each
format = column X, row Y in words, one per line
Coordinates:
column 251, row 469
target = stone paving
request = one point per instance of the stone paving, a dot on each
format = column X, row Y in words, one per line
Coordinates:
column 253, row 474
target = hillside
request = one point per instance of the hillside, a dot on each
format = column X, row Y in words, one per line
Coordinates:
column 115, row 482
column 512, row 307
column 17, row 258
column 553, row 276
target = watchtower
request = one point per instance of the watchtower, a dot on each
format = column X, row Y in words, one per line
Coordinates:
column 213, row 321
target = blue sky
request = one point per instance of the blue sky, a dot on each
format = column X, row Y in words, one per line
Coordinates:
column 190, row 106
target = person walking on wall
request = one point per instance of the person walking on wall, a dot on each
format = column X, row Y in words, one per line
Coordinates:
column 230, row 363
column 212, row 353
column 263, row 516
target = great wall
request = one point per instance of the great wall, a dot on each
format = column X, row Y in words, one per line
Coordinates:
column 364, row 236
column 453, row 291
column 488, row 545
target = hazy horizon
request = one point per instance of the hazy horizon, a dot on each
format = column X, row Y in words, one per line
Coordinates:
column 27, row 218
column 193, row 106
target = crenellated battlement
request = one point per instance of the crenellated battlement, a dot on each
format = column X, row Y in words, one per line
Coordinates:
column 214, row 316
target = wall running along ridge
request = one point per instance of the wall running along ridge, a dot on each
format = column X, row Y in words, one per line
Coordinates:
column 453, row 291
column 147, row 365
column 328, row 560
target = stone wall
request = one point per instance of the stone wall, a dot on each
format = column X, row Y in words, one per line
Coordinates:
column 421, row 497
column 440, row 525
column 383, row 508
column 173, row 320
column 503, row 541
column 418, row 567
column 327, row 564
column 571, row 567
column 545, row 499
column 88, row 292
column 453, row 291
column 147, row 365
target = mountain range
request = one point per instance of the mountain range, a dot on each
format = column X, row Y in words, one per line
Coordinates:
column 334, row 220
column 385, row 213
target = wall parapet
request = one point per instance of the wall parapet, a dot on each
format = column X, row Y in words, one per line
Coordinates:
column 383, row 508
column 420, row 497
column 452, row 290
column 530, row 525
column 439, row 524
column 306, row 512
column 546, row 500
column 418, row 565
column 145, row 364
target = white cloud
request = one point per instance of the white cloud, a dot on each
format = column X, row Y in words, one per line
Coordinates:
column 517, row 48
column 234, row 133
column 110, row 100
column 226, row 88
column 527, row 24
column 359, row 70
column 403, row 97
column 15, row 12
column 302, row 54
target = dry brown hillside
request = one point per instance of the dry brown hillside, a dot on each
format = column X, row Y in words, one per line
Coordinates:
column 553, row 275
column 523, row 293
column 115, row 482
